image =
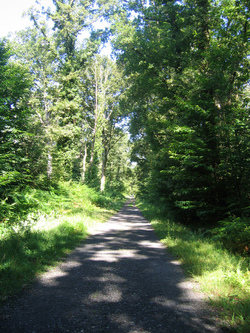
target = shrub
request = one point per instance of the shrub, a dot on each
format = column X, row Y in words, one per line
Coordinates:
column 234, row 234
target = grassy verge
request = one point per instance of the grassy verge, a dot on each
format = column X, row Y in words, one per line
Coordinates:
column 59, row 221
column 223, row 276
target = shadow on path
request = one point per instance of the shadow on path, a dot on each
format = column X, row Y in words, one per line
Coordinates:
column 121, row 279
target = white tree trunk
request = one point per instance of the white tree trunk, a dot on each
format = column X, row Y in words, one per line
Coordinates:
column 84, row 163
column 95, row 125
column 104, row 164
column 103, row 179
column 49, row 165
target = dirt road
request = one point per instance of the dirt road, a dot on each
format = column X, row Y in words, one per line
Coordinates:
column 120, row 280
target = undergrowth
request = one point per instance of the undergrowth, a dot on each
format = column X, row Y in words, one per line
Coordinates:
column 224, row 276
column 57, row 220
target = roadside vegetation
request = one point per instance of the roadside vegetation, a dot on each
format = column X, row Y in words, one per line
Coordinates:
column 53, row 223
column 215, row 259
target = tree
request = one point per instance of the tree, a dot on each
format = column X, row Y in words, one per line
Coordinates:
column 105, row 87
column 57, row 60
column 15, row 87
column 188, row 67
column 35, row 52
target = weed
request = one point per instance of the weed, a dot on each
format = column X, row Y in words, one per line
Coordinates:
column 234, row 233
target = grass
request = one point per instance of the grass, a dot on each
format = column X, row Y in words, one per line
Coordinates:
column 59, row 221
column 223, row 276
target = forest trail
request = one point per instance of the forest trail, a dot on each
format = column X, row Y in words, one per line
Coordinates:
column 121, row 279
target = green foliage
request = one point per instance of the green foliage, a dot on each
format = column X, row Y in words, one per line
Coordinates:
column 14, row 114
column 59, row 98
column 187, row 64
column 234, row 234
column 14, row 136
column 18, row 205
column 108, row 200
column 224, row 277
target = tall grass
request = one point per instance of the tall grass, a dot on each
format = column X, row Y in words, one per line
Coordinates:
column 60, row 219
column 223, row 276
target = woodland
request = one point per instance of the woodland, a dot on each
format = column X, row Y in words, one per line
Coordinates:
column 164, row 117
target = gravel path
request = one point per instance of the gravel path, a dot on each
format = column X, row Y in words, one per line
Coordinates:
column 121, row 279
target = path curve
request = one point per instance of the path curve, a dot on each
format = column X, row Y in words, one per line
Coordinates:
column 120, row 280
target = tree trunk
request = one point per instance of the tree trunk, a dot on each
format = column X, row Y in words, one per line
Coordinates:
column 84, row 163
column 95, row 126
column 49, row 165
column 104, row 164
column 92, row 150
column 103, row 179
column 50, row 158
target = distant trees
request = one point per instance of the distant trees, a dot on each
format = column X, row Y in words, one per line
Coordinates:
column 74, row 99
column 106, row 83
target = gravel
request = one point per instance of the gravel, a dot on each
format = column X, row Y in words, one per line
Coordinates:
column 121, row 279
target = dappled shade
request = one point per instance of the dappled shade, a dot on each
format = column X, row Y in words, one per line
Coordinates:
column 121, row 279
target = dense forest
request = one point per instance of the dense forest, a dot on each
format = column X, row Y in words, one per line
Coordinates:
column 166, row 116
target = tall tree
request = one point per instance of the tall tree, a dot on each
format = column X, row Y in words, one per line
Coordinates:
column 33, row 50
column 188, row 66
column 15, row 87
column 57, row 58
column 106, row 85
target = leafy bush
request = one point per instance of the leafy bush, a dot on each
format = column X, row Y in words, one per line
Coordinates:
column 107, row 200
column 100, row 200
column 234, row 234
column 17, row 205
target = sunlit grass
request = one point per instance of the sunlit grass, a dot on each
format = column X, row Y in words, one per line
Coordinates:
column 224, row 277
column 62, row 219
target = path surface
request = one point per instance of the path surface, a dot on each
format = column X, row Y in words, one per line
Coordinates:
column 121, row 279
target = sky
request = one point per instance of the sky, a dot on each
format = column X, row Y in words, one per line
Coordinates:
column 11, row 11
column 12, row 20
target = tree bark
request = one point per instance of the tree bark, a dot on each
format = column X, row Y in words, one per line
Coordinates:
column 104, row 161
column 84, row 163
column 95, row 125
column 104, row 164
